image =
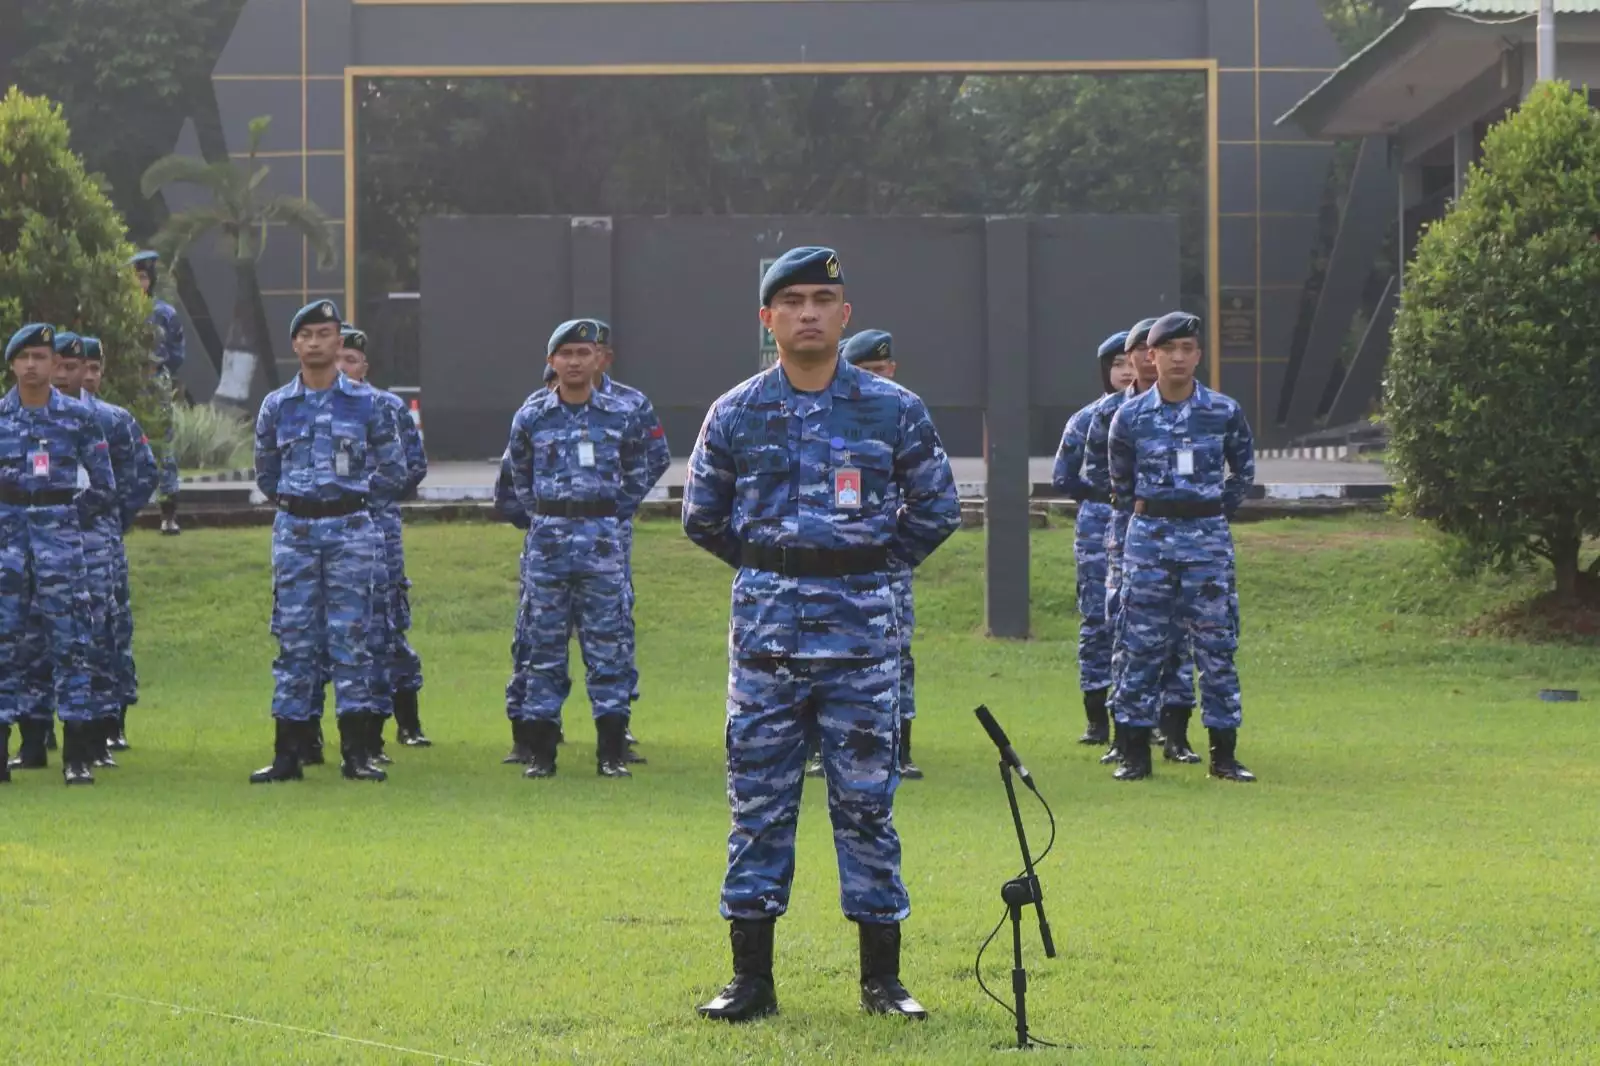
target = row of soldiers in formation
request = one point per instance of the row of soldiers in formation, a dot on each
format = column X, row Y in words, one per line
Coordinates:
column 1158, row 465
column 75, row 470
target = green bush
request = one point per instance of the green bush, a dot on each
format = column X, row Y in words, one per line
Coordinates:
column 64, row 252
column 1493, row 387
column 211, row 438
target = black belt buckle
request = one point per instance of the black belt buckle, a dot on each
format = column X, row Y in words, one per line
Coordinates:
column 789, row 562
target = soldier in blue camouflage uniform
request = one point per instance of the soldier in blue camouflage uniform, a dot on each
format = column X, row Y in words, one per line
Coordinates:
column 1091, row 527
column 578, row 470
column 168, row 355
column 818, row 482
column 658, row 458
column 136, row 484
column 398, row 668
column 46, row 439
column 313, row 438
column 1184, row 455
column 101, row 522
column 1178, row 674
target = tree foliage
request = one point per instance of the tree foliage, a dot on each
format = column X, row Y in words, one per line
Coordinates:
column 64, row 251
column 1493, row 390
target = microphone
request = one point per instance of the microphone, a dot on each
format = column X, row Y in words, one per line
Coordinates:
column 1008, row 754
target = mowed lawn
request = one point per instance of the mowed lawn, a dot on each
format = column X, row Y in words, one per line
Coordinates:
column 1414, row 880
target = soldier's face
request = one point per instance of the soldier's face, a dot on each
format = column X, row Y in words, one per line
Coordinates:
column 67, row 374
column 33, row 366
column 91, row 377
column 1144, row 364
column 1176, row 360
column 807, row 320
column 575, row 364
column 1121, row 373
column 317, row 346
column 144, row 282
column 353, row 363
column 884, row 368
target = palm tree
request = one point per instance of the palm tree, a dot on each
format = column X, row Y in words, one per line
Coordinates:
column 241, row 218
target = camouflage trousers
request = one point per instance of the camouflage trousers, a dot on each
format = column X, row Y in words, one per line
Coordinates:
column 41, row 568
column 122, row 625
column 404, row 664
column 1179, row 595
column 104, row 568
column 165, row 451
column 563, row 591
column 906, row 611
column 1177, row 675
column 774, row 707
column 323, row 608
column 1094, row 631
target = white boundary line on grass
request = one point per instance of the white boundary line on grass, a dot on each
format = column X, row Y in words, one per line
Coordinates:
column 290, row 1028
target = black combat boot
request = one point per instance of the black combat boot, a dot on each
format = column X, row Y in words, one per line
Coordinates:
column 521, row 750
column 1135, row 743
column 881, row 990
column 1114, row 753
column 408, row 721
column 1175, row 726
column 5, row 753
column 100, row 733
column 630, row 756
column 1098, row 731
column 1224, row 766
column 908, row 769
column 540, row 735
column 119, row 739
column 288, row 741
column 77, row 752
column 49, row 731
column 311, row 743
column 375, row 753
column 814, row 758
column 611, row 746
column 355, row 760
column 31, row 753
column 169, row 518
column 751, row 994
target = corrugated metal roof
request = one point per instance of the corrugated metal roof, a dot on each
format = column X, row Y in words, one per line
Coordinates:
column 1508, row 7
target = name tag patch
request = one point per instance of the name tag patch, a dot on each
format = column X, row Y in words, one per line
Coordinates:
column 586, row 453
column 40, row 461
column 847, row 489
column 1186, row 461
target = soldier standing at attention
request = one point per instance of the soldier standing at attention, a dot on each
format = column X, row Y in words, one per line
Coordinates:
column 135, row 489
column 872, row 350
column 818, row 483
column 45, row 440
column 1089, row 542
column 578, row 470
column 1184, row 455
column 313, row 437
column 165, row 359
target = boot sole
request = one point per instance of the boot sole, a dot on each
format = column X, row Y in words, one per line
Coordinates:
column 753, row 1016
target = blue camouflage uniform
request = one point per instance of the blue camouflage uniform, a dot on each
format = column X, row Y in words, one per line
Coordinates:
column 1088, row 550
column 312, row 459
column 1178, row 579
column 168, row 355
column 42, row 451
column 854, row 479
column 578, row 475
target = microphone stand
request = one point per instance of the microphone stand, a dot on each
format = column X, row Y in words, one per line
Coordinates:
column 1018, row 893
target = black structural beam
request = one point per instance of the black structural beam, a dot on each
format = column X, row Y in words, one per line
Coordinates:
column 1365, row 375
column 1006, row 398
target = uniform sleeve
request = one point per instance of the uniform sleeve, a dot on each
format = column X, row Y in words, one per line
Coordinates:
column 1122, row 455
column 389, row 475
column 269, row 462
column 633, row 459
column 505, row 496
column 930, row 509
column 145, row 475
column 174, row 349
column 657, row 455
column 519, row 452
column 94, row 455
column 708, row 490
column 120, row 441
column 1065, row 477
column 1096, row 466
column 411, row 443
column 1239, row 449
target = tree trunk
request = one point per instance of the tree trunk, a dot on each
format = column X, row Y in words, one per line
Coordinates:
column 1564, row 556
column 248, row 372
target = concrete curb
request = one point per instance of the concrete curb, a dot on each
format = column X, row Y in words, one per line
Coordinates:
column 225, row 477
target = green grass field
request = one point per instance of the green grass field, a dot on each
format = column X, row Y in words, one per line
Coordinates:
column 1414, row 880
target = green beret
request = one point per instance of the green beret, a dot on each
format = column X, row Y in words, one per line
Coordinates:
column 33, row 335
